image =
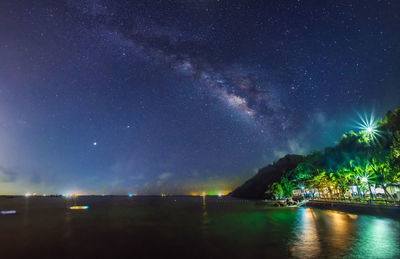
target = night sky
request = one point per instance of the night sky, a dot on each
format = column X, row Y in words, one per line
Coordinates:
column 153, row 97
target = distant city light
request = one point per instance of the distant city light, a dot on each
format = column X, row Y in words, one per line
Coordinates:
column 219, row 194
column 79, row 207
column 28, row 194
column 130, row 195
column 71, row 195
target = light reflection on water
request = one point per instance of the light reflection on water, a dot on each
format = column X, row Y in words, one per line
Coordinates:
column 205, row 219
column 377, row 238
column 321, row 233
column 190, row 227
column 307, row 243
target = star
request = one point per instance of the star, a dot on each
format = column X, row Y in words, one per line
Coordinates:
column 161, row 89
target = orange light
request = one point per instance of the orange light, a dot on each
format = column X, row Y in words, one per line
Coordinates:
column 79, row 207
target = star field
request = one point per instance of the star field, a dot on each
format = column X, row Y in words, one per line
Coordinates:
column 181, row 96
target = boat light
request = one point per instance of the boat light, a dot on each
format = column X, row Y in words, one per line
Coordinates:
column 79, row 207
column 5, row 212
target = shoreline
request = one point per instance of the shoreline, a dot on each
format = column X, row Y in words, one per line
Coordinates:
column 357, row 208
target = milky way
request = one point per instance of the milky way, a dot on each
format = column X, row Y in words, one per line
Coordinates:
column 242, row 88
column 183, row 96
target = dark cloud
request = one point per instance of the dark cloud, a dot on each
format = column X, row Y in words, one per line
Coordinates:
column 7, row 175
column 35, row 178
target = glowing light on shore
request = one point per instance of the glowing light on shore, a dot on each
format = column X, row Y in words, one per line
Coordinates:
column 71, row 195
column 130, row 195
column 369, row 126
column 79, row 207
column 218, row 193
column 28, row 194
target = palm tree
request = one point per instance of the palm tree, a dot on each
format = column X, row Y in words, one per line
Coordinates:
column 355, row 176
column 319, row 182
column 339, row 180
column 276, row 190
column 303, row 173
column 313, row 185
column 363, row 174
column 369, row 177
column 384, row 174
column 287, row 186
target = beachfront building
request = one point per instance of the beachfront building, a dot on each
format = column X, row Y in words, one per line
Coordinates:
column 297, row 193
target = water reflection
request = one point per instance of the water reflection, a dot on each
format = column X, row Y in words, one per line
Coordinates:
column 377, row 238
column 67, row 220
column 201, row 225
column 25, row 223
column 307, row 241
column 339, row 230
column 205, row 218
column 324, row 232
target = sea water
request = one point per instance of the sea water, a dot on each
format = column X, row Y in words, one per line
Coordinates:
column 188, row 227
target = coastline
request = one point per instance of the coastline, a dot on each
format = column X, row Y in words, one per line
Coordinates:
column 389, row 211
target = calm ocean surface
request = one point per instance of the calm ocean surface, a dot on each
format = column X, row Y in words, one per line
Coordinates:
column 188, row 227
